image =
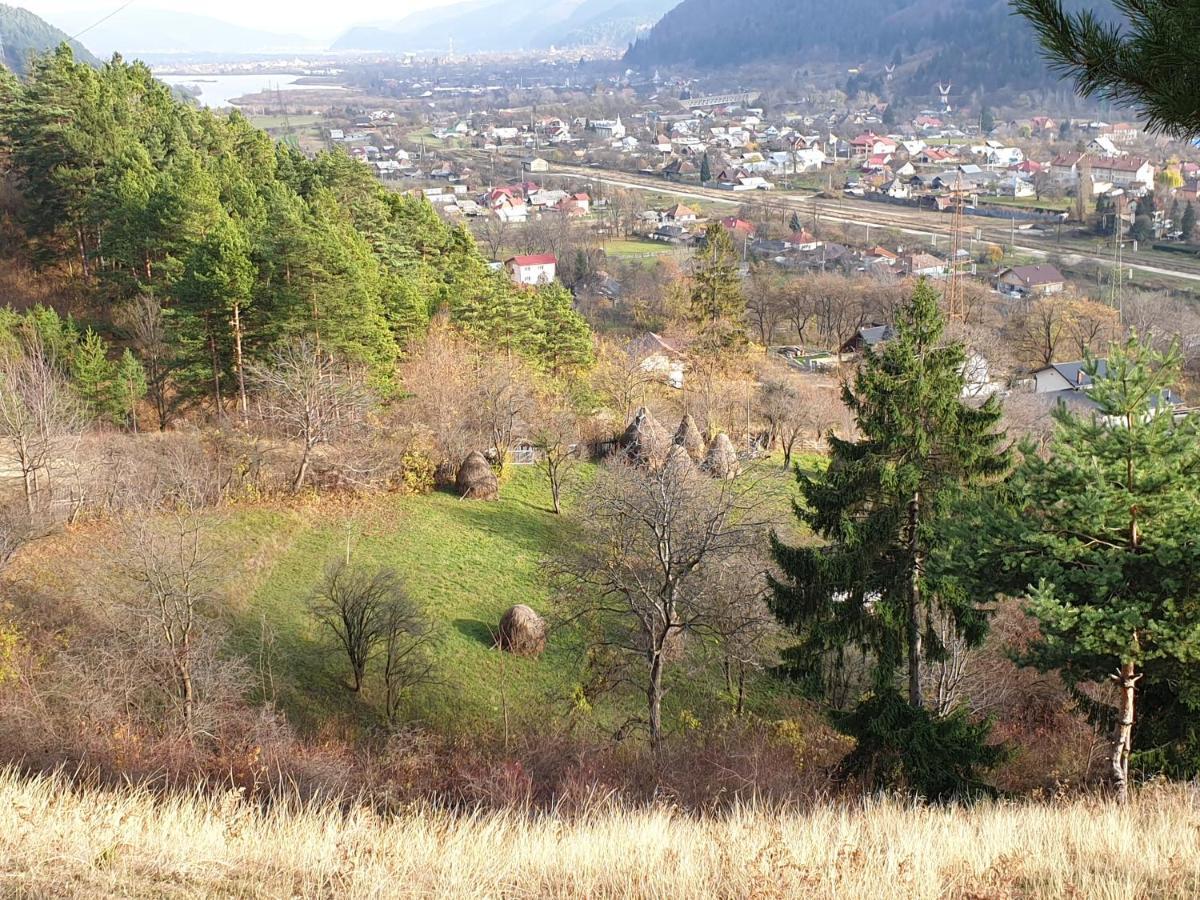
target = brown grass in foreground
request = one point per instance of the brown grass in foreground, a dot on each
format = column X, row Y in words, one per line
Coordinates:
column 60, row 840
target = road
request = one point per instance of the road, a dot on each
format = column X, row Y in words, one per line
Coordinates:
column 871, row 215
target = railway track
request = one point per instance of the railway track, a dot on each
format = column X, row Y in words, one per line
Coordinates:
column 867, row 215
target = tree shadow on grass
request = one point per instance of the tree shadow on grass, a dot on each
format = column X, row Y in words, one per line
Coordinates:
column 477, row 631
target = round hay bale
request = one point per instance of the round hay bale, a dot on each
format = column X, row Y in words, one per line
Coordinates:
column 722, row 461
column 688, row 437
column 645, row 442
column 476, row 480
column 522, row 632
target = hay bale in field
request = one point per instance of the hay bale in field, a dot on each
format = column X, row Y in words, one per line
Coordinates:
column 645, row 442
column 722, row 461
column 679, row 462
column 476, row 480
column 522, row 632
column 688, row 437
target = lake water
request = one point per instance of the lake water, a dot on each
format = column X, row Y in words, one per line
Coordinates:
column 220, row 90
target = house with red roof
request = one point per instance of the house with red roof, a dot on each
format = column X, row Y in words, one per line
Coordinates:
column 532, row 270
column 738, row 227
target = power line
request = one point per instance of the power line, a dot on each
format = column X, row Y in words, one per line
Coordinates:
column 123, row 6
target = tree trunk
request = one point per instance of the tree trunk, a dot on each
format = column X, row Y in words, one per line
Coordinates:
column 241, row 372
column 915, row 697
column 1122, row 744
column 654, row 699
column 302, row 472
column 741, row 689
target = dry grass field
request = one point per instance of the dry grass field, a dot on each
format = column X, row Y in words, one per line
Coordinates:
column 60, row 841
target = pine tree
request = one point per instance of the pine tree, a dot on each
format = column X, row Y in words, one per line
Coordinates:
column 987, row 122
column 129, row 387
column 564, row 338
column 716, row 304
column 94, row 375
column 879, row 506
column 795, row 224
column 1152, row 61
column 1188, row 226
column 1101, row 537
column 705, row 170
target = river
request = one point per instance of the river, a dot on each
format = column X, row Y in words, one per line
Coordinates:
column 218, row 91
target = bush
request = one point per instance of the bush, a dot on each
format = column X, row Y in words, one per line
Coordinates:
column 904, row 748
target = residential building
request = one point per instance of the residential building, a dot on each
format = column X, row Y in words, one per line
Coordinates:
column 1025, row 281
column 533, row 270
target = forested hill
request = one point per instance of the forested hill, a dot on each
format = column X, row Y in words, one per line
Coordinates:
column 240, row 243
column 22, row 34
column 973, row 43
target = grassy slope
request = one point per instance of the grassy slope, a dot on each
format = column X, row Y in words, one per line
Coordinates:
column 66, row 841
column 465, row 562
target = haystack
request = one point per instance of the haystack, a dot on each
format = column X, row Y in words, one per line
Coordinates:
column 722, row 461
column 679, row 462
column 688, row 437
column 476, row 480
column 522, row 632
column 645, row 442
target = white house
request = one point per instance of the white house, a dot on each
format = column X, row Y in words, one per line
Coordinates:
column 533, row 270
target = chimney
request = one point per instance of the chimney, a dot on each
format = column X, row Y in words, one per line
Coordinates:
column 1079, row 377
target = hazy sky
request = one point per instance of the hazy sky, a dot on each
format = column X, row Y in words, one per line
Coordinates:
column 314, row 18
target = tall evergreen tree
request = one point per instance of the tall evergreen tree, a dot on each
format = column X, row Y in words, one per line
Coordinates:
column 705, row 169
column 987, row 122
column 795, row 224
column 1104, row 539
column 564, row 338
column 879, row 506
column 1188, row 225
column 716, row 305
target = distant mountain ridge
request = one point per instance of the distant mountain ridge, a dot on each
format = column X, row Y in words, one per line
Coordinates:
column 23, row 34
column 140, row 30
column 498, row 25
column 972, row 43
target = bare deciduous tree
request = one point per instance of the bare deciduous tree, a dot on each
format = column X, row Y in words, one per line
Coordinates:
column 406, row 636
column 310, row 396
column 555, row 434
column 644, row 575
column 174, row 589
column 370, row 614
column 41, row 419
column 143, row 318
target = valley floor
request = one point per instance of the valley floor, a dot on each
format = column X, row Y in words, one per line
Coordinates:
column 63, row 841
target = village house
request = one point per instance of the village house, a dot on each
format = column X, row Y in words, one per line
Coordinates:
column 657, row 357
column 532, row 270
column 680, row 215
column 922, row 265
column 1025, row 281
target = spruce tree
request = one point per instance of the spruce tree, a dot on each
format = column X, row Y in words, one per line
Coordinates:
column 1102, row 538
column 716, row 305
column 877, row 508
column 1188, row 227
column 705, row 170
column 987, row 122
column 795, row 224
